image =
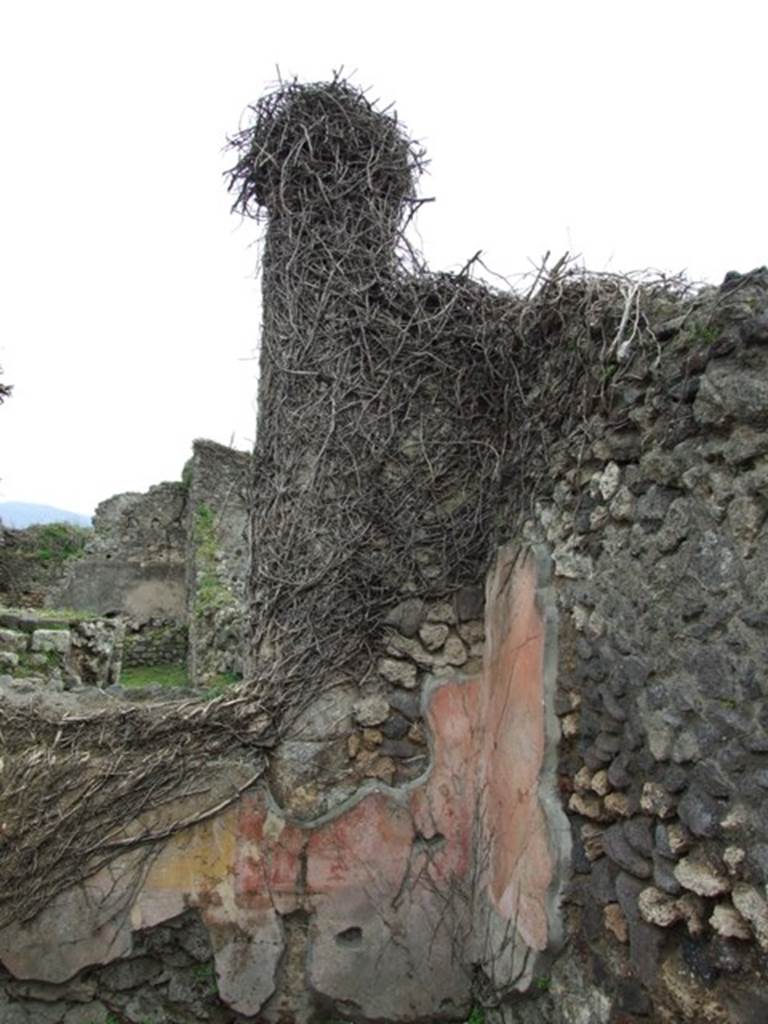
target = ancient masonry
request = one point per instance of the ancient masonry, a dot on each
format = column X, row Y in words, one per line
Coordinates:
column 172, row 564
column 503, row 734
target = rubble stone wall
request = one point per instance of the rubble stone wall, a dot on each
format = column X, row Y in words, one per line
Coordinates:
column 217, row 559
column 33, row 560
column 173, row 563
column 134, row 561
column 156, row 642
column 548, row 799
column 60, row 653
column 658, row 534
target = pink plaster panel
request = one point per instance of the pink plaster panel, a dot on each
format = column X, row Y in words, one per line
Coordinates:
column 512, row 752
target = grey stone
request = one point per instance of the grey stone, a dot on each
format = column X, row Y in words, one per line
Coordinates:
column 407, row 616
column 631, row 997
column 664, row 875
column 660, row 466
column 401, row 749
column 73, row 991
column 602, row 880
column 661, row 735
column 187, row 985
column 758, row 858
column 645, row 940
column 744, row 444
column 572, row 564
column 700, row 812
column 622, row 506
column 730, row 394
column 753, row 907
column 29, row 1011
column 608, row 743
column 652, row 507
column 194, row 939
column 12, row 640
column 675, row 779
column 454, row 653
column 595, row 758
column 469, row 603
column 370, row 710
column 88, row 1013
column 608, row 481
column 634, row 671
column 710, row 778
column 621, row 853
column 637, row 832
column 146, row 1007
column 656, row 907
column 686, row 748
column 443, row 612
column 401, row 673
column 701, row 875
column 675, row 527
column 655, row 799
column 127, row 974
column 608, row 724
column 672, row 840
column 618, row 776
column 433, row 635
column 395, row 727
column 54, row 640
column 407, row 703
column 611, row 705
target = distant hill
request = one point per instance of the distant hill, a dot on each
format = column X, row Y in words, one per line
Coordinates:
column 19, row 514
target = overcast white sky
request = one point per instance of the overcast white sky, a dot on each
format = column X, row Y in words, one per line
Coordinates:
column 633, row 133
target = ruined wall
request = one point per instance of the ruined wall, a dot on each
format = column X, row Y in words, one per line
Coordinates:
column 658, row 536
column 217, row 559
column 59, row 653
column 155, row 642
column 387, row 908
column 134, row 561
column 433, row 838
column 545, row 800
column 173, row 562
column 33, row 560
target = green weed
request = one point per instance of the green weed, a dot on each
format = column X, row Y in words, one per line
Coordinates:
column 164, row 675
column 56, row 542
column 211, row 594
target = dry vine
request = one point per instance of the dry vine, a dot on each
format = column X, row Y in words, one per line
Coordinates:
column 396, row 405
column 72, row 788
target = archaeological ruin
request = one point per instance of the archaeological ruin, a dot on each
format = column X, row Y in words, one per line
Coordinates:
column 493, row 593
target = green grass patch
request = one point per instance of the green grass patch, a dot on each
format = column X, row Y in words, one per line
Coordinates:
column 145, row 675
column 56, row 542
